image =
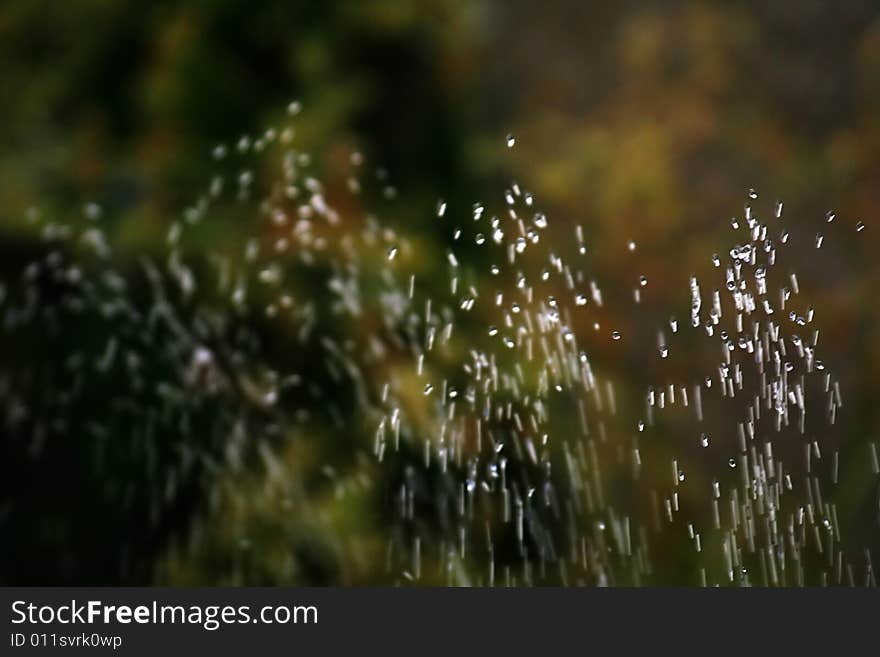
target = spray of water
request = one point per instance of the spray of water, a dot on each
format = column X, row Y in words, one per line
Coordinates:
column 505, row 456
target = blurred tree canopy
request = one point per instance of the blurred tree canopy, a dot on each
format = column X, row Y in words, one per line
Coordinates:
column 640, row 120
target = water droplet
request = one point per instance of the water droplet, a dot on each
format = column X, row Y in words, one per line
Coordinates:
column 615, row 335
column 704, row 440
column 511, row 140
column 92, row 211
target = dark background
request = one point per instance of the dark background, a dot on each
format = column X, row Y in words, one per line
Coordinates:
column 645, row 120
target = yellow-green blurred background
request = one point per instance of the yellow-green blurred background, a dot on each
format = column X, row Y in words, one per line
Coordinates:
column 639, row 120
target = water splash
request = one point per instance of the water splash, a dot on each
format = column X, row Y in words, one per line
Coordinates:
column 502, row 451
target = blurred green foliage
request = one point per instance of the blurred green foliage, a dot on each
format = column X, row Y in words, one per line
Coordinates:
column 640, row 120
